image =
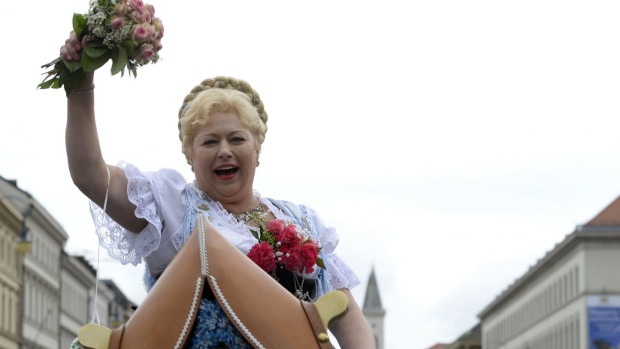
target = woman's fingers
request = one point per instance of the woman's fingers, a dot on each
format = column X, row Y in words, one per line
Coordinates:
column 70, row 50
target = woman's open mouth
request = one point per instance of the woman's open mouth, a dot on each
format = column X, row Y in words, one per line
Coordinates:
column 226, row 172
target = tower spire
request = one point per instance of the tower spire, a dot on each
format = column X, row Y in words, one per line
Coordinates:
column 373, row 309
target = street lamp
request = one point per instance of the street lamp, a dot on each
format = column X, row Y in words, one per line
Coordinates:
column 24, row 245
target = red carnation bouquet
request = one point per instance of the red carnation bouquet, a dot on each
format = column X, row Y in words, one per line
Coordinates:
column 281, row 245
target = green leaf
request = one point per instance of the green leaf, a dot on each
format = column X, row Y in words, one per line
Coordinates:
column 71, row 80
column 47, row 84
column 95, row 51
column 72, row 65
column 79, row 24
column 319, row 262
column 90, row 64
column 119, row 60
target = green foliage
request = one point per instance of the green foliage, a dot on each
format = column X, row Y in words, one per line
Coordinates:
column 119, row 60
column 79, row 24
column 90, row 64
column 95, row 49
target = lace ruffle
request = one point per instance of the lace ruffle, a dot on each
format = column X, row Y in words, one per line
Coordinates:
column 338, row 273
column 125, row 246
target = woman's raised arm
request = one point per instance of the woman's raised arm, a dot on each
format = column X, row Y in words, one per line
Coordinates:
column 88, row 169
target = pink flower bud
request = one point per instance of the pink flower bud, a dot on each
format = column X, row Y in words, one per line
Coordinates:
column 120, row 8
column 153, row 33
column 140, row 33
column 118, row 23
column 150, row 9
column 137, row 4
column 157, row 45
column 146, row 52
column 138, row 16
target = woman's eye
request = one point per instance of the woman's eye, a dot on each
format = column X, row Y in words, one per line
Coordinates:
column 209, row 141
column 238, row 139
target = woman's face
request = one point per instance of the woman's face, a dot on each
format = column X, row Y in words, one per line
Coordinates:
column 224, row 157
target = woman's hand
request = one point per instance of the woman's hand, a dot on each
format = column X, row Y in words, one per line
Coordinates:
column 71, row 50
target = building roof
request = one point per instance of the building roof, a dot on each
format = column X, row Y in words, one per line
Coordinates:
column 439, row 346
column 605, row 226
column 608, row 217
column 372, row 301
column 475, row 333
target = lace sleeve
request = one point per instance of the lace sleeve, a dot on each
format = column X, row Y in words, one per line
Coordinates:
column 337, row 273
column 125, row 246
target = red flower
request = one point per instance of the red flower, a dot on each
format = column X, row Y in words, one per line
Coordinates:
column 281, row 245
column 276, row 226
column 289, row 237
column 290, row 258
column 308, row 254
column 263, row 255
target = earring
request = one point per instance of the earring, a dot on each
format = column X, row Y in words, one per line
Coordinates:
column 257, row 163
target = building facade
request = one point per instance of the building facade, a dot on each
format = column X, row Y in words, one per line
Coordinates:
column 45, row 294
column 78, row 278
column 10, row 274
column 570, row 299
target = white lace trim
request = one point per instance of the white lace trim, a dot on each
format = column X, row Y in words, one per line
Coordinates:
column 132, row 248
column 338, row 273
column 121, row 244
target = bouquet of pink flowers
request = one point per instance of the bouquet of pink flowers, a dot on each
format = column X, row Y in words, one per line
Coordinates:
column 125, row 31
column 280, row 245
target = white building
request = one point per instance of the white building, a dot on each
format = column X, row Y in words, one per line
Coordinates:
column 570, row 299
column 10, row 273
column 78, row 279
column 45, row 294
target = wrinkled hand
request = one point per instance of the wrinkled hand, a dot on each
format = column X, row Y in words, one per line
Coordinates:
column 72, row 48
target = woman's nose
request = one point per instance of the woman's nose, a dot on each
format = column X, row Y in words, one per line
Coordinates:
column 224, row 152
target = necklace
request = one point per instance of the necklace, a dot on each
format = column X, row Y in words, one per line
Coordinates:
column 250, row 214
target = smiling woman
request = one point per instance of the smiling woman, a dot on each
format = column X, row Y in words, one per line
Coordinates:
column 151, row 216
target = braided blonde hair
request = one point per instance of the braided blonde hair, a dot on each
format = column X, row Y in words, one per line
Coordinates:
column 221, row 94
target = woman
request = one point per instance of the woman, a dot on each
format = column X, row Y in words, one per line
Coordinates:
column 149, row 216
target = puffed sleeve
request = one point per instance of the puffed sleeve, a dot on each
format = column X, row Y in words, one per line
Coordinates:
column 337, row 273
column 144, row 190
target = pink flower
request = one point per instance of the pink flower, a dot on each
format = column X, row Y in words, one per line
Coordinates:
column 263, row 255
column 159, row 25
column 157, row 45
column 146, row 52
column 138, row 16
column 153, row 33
column 137, row 4
column 150, row 8
column 118, row 23
column 140, row 33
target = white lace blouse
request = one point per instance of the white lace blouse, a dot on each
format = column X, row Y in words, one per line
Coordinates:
column 170, row 205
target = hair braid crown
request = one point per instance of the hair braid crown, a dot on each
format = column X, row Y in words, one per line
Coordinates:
column 229, row 83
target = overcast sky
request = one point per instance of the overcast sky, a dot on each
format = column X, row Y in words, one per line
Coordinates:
column 451, row 143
